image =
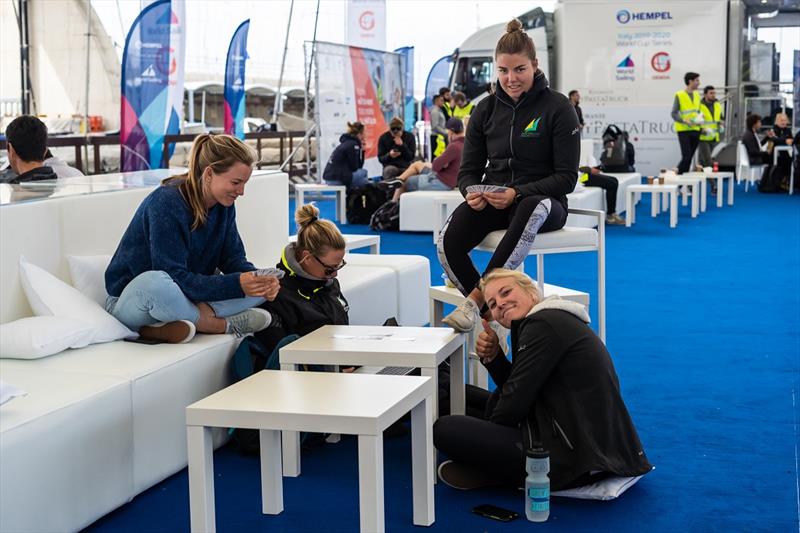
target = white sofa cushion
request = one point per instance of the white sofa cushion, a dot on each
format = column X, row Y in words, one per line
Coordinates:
column 40, row 336
column 371, row 292
column 8, row 392
column 88, row 273
column 566, row 237
column 417, row 209
column 49, row 296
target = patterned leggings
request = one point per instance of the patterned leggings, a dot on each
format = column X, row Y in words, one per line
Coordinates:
column 466, row 228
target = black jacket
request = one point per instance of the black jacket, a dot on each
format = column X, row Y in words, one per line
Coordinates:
column 304, row 304
column 36, row 174
column 532, row 146
column 407, row 150
column 563, row 384
column 753, row 147
column 345, row 159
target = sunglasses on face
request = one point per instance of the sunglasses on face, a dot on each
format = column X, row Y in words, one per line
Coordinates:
column 395, row 130
column 329, row 269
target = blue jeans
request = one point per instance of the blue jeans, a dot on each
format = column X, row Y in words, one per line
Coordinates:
column 153, row 297
column 360, row 178
column 427, row 181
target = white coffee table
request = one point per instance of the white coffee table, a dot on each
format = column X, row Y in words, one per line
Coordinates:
column 341, row 196
column 423, row 348
column 697, row 185
column 353, row 242
column 720, row 177
column 357, row 404
column 655, row 190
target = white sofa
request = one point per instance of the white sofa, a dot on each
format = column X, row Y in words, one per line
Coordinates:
column 418, row 213
column 102, row 423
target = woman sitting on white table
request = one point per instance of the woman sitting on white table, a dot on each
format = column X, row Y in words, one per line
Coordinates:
column 560, row 390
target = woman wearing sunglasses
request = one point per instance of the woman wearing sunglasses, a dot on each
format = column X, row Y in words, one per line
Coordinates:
column 309, row 297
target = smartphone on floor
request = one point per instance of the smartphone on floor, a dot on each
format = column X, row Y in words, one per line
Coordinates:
column 495, row 513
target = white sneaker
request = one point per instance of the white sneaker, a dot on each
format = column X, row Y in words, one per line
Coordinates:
column 175, row 332
column 464, row 318
column 246, row 322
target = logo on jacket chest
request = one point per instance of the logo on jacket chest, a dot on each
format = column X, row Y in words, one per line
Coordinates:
column 533, row 129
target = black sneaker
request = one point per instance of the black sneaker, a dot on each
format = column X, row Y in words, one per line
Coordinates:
column 465, row 477
column 389, row 185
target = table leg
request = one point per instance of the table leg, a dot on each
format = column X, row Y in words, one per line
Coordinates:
column 437, row 313
column 457, row 389
column 299, row 197
column 665, row 199
column 703, row 191
column 730, row 191
column 422, row 464
column 630, row 214
column 685, row 197
column 673, row 209
column 375, row 249
column 656, row 200
column 341, row 204
column 370, row 482
column 290, row 443
column 201, row 479
column 695, row 199
column 271, row 474
column 720, row 182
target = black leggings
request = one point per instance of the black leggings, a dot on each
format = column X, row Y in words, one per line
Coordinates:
column 494, row 449
column 466, row 228
column 610, row 185
column 688, row 141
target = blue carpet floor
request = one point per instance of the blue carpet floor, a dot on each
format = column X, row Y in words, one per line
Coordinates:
column 703, row 326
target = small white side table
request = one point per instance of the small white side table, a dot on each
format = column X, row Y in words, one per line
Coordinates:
column 357, row 404
column 444, row 206
column 655, row 190
column 698, row 191
column 353, row 242
column 720, row 177
column 340, row 190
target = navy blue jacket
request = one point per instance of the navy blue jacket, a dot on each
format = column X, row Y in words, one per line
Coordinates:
column 345, row 159
column 160, row 238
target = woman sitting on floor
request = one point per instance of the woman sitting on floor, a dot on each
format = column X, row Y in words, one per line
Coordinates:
column 561, row 390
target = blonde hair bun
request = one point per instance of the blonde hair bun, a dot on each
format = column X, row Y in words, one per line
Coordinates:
column 305, row 215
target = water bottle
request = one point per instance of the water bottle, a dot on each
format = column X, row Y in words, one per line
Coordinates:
column 537, row 484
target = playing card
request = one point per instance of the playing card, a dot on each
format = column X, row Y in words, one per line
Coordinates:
column 272, row 271
column 495, row 188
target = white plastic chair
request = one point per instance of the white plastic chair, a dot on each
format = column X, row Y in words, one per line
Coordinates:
column 750, row 174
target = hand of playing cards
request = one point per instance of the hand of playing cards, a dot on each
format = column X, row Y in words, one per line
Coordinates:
column 482, row 188
column 274, row 272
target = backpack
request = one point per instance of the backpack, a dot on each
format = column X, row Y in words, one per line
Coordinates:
column 618, row 152
column 386, row 217
column 362, row 203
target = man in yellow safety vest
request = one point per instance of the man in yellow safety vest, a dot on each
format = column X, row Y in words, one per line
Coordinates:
column 687, row 117
column 711, row 110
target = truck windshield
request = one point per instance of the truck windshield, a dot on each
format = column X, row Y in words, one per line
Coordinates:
column 473, row 75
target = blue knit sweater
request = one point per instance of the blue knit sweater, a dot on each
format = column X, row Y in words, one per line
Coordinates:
column 160, row 238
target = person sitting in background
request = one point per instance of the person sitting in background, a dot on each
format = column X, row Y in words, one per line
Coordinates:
column 757, row 152
column 181, row 266
column 560, row 389
column 62, row 169
column 442, row 174
column 310, row 295
column 26, row 141
column 345, row 166
column 396, row 149
column 782, row 137
column 462, row 109
column 593, row 177
column 438, row 129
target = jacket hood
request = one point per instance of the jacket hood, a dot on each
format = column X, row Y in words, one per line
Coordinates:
column 36, row 174
column 347, row 137
column 556, row 302
column 293, row 268
column 540, row 84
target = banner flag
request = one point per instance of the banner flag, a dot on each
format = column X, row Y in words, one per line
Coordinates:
column 234, row 81
column 152, row 74
column 366, row 24
column 407, row 67
column 796, row 89
column 438, row 77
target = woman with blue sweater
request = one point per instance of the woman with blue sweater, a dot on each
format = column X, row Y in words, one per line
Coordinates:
column 181, row 265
